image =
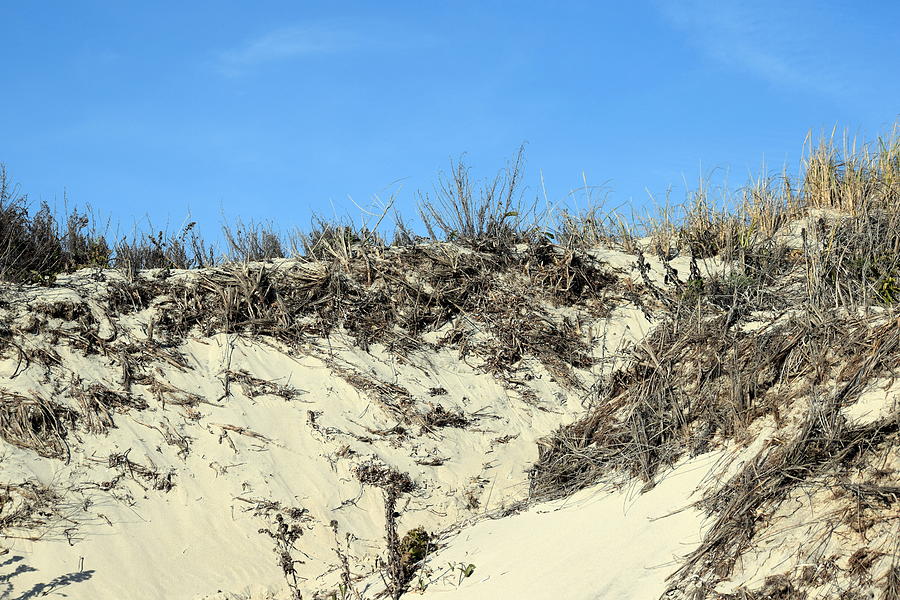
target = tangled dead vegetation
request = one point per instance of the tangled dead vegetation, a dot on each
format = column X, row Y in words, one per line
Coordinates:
column 496, row 306
column 788, row 338
column 34, row 511
column 137, row 472
column 35, row 423
column 97, row 404
column 687, row 385
column 501, row 308
column 285, row 532
column 253, row 387
column 824, row 453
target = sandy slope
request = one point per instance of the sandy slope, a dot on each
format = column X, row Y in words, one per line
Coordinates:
column 599, row 543
column 170, row 501
column 204, row 530
column 173, row 486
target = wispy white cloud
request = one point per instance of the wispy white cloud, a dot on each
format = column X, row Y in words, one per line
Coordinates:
column 774, row 41
column 290, row 43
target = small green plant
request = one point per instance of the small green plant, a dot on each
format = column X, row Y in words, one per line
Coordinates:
column 97, row 253
column 39, row 278
column 878, row 273
column 737, row 282
column 462, row 570
column 888, row 290
column 414, row 547
column 692, row 291
column 342, row 593
column 884, row 276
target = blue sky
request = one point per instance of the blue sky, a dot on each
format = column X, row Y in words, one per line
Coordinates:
column 276, row 110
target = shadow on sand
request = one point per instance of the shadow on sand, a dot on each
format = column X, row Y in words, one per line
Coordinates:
column 8, row 573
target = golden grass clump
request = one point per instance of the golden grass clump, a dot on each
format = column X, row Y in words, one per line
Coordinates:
column 854, row 178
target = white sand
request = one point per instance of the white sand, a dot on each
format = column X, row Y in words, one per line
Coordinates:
column 595, row 544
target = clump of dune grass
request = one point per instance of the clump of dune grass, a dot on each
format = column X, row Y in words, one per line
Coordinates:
column 852, row 176
column 34, row 510
column 36, row 246
column 393, row 298
column 183, row 249
column 490, row 213
column 251, row 241
column 892, row 583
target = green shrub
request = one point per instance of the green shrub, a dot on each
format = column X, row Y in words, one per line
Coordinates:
column 414, row 547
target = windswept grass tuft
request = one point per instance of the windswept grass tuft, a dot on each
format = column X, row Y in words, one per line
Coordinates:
column 855, row 177
column 247, row 242
column 493, row 214
column 184, row 249
column 34, row 248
